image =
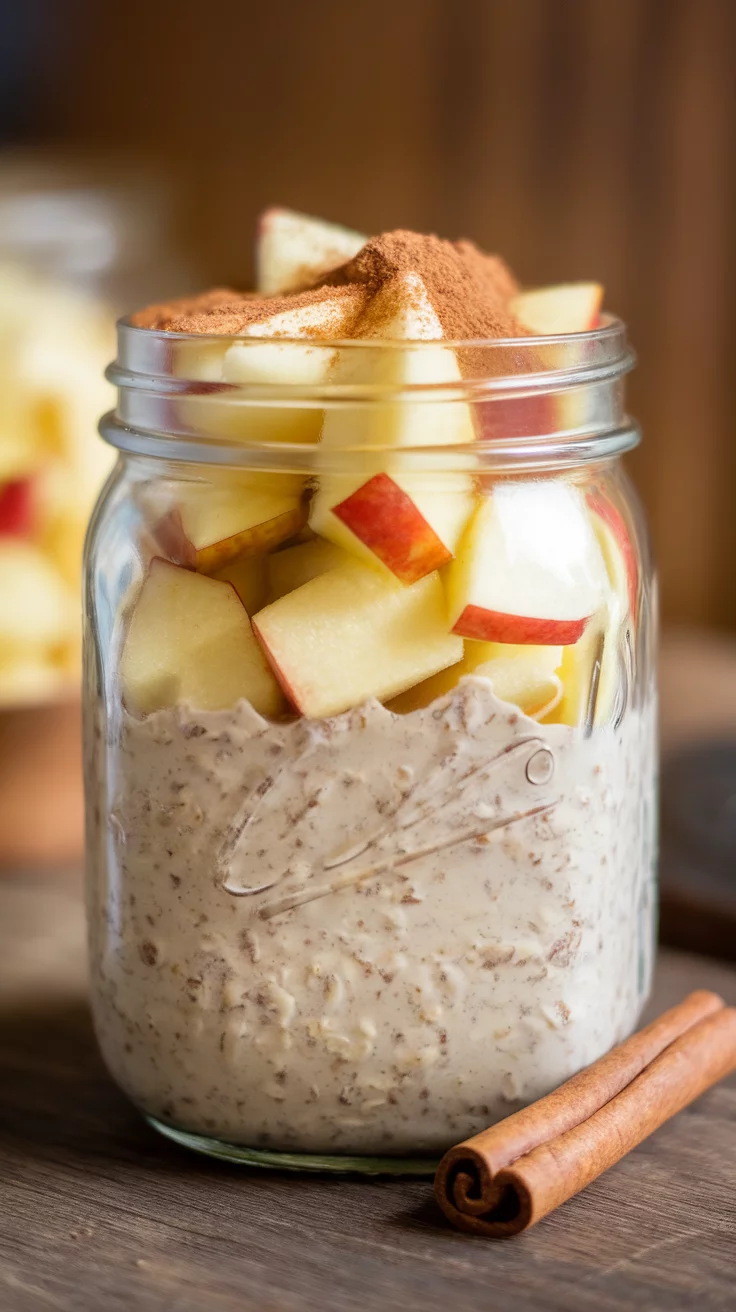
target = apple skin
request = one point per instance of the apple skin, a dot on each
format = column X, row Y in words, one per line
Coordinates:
column 386, row 520
column 172, row 540
column 524, row 630
column 17, row 508
column 291, row 694
column 611, row 515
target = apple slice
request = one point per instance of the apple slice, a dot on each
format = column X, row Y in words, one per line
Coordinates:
column 387, row 521
column 571, row 307
column 291, row 568
column 399, row 508
column 212, row 524
column 236, row 367
column 294, row 250
column 189, row 639
column 355, row 633
column 529, row 569
column 524, row 676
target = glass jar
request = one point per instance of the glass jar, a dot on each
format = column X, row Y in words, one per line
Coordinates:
column 375, row 869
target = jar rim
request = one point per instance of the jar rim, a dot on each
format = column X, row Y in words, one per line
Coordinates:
column 501, row 379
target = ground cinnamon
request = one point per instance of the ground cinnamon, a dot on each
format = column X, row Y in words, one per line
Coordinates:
column 508, row 1177
column 229, row 313
column 469, row 290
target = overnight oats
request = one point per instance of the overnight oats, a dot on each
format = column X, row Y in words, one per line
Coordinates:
column 370, row 709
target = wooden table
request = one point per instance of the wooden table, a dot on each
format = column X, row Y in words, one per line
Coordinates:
column 98, row 1214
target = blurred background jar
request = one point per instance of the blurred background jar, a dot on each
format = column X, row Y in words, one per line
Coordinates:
column 80, row 244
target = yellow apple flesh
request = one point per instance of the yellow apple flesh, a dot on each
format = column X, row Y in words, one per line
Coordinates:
column 189, row 640
column 529, row 569
column 354, row 633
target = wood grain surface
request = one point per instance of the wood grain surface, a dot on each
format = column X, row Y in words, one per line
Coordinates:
column 97, row 1214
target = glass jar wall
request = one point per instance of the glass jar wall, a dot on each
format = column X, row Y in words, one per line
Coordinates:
column 369, row 738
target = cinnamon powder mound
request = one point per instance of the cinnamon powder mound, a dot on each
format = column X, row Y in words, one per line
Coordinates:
column 469, row 291
column 225, row 312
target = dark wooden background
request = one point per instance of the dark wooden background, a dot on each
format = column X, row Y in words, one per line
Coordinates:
column 583, row 138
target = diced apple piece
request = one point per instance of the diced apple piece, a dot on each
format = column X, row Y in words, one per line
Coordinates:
column 291, row 568
column 294, row 250
column 399, row 508
column 212, row 524
column 554, row 311
column 190, row 640
column 529, row 569
column 248, row 575
column 524, row 676
column 566, row 308
column 618, row 547
column 387, row 521
column 235, row 368
column 354, row 633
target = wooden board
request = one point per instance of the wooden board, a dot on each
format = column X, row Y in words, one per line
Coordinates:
column 97, row 1213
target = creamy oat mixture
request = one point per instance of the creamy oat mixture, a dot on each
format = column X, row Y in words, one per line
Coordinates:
column 374, row 933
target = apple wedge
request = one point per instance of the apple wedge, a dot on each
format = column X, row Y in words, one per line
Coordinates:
column 223, row 375
column 529, row 569
column 189, row 639
column 524, row 676
column 212, row 524
column 294, row 250
column 400, row 510
column 571, row 307
column 561, row 310
column 354, row 633
column 294, row 566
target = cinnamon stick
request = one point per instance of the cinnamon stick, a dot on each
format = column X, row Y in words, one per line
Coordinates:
column 507, row 1178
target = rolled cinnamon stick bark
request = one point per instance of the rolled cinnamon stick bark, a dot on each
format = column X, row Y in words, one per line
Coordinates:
column 508, row 1177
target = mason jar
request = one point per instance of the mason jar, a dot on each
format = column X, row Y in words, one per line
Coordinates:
column 370, row 737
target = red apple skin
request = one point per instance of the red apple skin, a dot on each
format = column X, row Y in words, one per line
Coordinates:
column 612, row 516
column 171, row 538
column 17, row 508
column 524, row 630
column 283, row 682
column 521, row 416
column 386, row 520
